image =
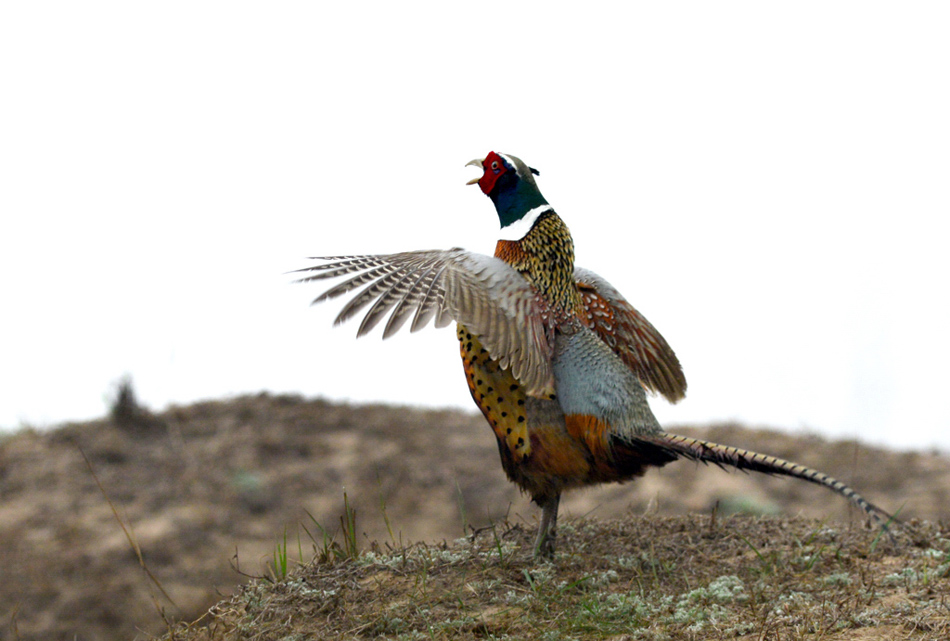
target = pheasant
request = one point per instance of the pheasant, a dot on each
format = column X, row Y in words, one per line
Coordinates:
column 555, row 358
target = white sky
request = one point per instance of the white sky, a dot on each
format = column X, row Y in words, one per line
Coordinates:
column 768, row 183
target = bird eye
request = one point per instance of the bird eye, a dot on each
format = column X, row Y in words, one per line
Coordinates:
column 494, row 166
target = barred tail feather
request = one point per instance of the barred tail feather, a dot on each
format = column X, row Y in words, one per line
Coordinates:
column 727, row 456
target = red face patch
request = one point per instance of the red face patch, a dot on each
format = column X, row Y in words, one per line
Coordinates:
column 495, row 168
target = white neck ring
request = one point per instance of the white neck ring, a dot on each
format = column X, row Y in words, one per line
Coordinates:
column 520, row 228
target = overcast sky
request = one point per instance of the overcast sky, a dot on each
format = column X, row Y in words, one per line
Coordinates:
column 768, row 183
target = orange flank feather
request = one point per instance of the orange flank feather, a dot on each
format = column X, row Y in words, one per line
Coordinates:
column 592, row 432
column 556, row 455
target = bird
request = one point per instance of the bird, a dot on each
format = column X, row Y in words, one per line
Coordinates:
column 555, row 358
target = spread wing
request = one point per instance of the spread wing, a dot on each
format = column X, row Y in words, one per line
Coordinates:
column 481, row 292
column 631, row 336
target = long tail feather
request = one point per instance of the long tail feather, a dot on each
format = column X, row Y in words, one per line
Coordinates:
column 727, row 456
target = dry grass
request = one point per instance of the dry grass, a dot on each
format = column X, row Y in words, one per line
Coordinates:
column 635, row 578
column 212, row 485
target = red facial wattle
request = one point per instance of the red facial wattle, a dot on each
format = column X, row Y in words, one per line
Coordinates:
column 495, row 168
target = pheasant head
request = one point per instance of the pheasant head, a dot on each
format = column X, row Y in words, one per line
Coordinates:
column 509, row 182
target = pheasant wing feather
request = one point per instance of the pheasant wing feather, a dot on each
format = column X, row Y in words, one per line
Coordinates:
column 482, row 292
column 410, row 302
column 631, row 336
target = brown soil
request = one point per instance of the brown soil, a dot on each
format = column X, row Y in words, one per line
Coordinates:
column 217, row 484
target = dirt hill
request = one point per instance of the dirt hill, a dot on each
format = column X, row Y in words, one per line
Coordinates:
column 209, row 487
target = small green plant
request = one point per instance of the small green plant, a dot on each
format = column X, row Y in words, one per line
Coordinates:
column 461, row 502
column 279, row 568
column 768, row 566
column 499, row 547
column 326, row 547
column 886, row 528
column 809, row 559
column 382, row 509
column 351, row 548
column 280, row 561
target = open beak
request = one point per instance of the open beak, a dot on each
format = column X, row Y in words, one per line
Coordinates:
column 474, row 163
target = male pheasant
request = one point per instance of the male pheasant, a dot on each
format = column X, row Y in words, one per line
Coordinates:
column 555, row 358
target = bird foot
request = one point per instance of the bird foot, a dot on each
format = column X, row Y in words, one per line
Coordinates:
column 545, row 545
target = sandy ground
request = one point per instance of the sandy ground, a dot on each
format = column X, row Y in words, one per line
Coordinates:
column 211, row 486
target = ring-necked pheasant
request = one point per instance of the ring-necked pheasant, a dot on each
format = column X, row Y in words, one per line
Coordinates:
column 555, row 358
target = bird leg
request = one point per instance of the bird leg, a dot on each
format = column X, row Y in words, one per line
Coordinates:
column 547, row 530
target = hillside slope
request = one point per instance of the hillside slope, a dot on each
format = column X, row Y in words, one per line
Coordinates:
column 216, row 484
